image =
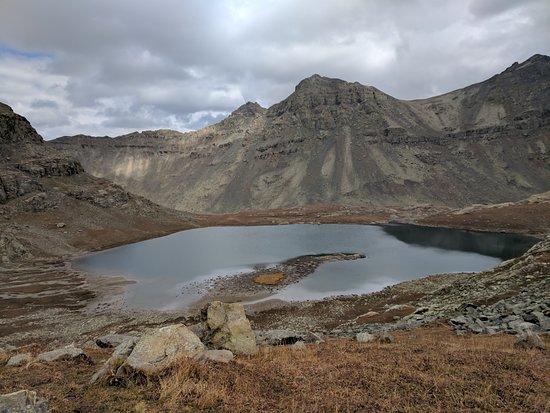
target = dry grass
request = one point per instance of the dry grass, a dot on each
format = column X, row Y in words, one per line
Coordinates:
column 426, row 370
column 270, row 278
column 4, row 357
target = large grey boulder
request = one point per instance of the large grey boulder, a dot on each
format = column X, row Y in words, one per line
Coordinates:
column 160, row 348
column 23, row 401
column 68, row 352
column 228, row 328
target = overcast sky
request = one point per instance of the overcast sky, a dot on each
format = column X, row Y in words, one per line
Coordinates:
column 110, row 67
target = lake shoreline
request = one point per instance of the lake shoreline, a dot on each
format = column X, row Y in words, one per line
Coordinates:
column 70, row 316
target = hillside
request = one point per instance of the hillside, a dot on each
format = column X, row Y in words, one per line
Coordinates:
column 334, row 142
column 50, row 207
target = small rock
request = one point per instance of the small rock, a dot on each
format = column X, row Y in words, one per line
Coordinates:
column 399, row 307
column 365, row 337
column 298, row 346
column 542, row 320
column 528, row 340
column 386, row 338
column 68, row 352
column 459, row 321
column 279, row 337
column 476, row 329
column 113, row 340
column 23, row 401
column 519, row 326
column 369, row 314
column 19, row 359
column 313, row 338
column 218, row 356
column 60, row 225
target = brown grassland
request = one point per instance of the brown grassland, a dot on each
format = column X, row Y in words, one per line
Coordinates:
column 426, row 370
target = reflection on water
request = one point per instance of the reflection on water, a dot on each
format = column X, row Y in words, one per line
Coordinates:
column 166, row 266
column 503, row 246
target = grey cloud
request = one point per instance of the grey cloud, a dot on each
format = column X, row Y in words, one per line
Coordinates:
column 112, row 67
column 490, row 8
column 44, row 103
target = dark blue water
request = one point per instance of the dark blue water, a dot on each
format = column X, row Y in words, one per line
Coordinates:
column 163, row 267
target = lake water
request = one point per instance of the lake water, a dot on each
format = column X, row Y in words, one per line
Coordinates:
column 165, row 267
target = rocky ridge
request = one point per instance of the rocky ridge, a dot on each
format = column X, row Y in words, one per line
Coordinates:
column 334, row 142
column 48, row 203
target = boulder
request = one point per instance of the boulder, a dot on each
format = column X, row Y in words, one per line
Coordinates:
column 298, row 346
column 228, row 328
column 19, row 359
column 542, row 320
column 529, row 340
column 365, row 337
column 218, row 356
column 160, row 348
column 113, row 340
column 520, row 326
column 118, row 358
column 386, row 338
column 68, row 352
column 23, row 401
column 200, row 329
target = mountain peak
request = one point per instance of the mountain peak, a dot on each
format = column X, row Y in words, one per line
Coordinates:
column 535, row 60
column 6, row 110
column 249, row 109
column 317, row 81
column 15, row 128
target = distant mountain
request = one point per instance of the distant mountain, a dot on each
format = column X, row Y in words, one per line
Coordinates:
column 334, row 142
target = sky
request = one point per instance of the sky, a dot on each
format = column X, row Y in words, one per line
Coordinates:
column 106, row 67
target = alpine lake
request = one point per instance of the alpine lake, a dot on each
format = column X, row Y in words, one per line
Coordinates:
column 169, row 271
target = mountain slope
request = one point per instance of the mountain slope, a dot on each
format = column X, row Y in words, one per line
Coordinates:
column 334, row 142
column 50, row 207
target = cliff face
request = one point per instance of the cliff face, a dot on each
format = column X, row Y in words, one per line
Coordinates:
column 334, row 142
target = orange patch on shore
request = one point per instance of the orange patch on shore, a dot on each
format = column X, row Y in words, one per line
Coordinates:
column 270, row 278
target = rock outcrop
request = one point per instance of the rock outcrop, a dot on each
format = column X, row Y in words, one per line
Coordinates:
column 39, row 185
column 334, row 142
